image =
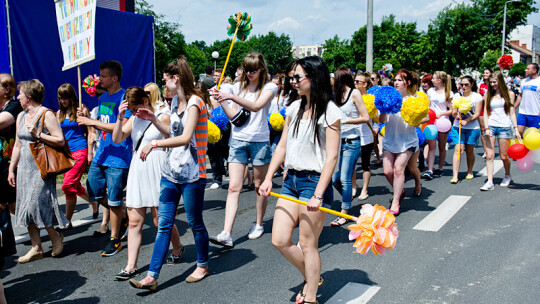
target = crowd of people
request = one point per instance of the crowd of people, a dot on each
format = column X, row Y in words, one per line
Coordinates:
column 146, row 149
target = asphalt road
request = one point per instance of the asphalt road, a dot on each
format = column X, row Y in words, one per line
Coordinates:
column 487, row 252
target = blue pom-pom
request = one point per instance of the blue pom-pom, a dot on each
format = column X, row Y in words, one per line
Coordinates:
column 219, row 118
column 282, row 112
column 373, row 90
column 388, row 100
column 421, row 136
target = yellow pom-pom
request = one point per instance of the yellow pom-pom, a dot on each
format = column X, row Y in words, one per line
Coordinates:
column 414, row 109
column 277, row 122
column 422, row 96
column 382, row 131
column 462, row 104
column 214, row 133
column 369, row 101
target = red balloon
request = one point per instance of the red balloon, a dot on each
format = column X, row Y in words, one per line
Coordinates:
column 432, row 117
column 517, row 151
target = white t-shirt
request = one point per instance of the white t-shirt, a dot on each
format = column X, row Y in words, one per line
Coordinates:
column 498, row 117
column 530, row 96
column 256, row 128
column 303, row 153
column 475, row 98
column 350, row 111
column 437, row 101
column 366, row 135
column 398, row 135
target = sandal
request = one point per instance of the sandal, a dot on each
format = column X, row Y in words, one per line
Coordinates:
column 173, row 259
column 454, row 181
column 471, row 176
column 339, row 221
column 300, row 296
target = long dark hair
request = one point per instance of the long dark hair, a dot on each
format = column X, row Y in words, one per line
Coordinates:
column 342, row 79
column 474, row 87
column 204, row 93
column 181, row 68
column 320, row 94
column 290, row 93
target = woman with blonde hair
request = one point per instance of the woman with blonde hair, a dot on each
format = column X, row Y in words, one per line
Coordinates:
column 500, row 119
column 37, row 204
column 154, row 95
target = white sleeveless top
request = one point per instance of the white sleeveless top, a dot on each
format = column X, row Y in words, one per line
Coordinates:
column 498, row 117
column 350, row 111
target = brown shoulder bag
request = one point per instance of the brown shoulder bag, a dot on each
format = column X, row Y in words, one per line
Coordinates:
column 51, row 160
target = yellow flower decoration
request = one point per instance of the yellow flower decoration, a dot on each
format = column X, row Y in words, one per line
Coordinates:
column 277, row 122
column 369, row 101
column 462, row 104
column 414, row 109
column 214, row 133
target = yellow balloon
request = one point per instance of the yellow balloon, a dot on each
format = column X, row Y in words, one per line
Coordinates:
column 532, row 141
column 514, row 141
column 529, row 131
column 382, row 131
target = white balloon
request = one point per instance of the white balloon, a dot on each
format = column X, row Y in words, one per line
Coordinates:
column 535, row 155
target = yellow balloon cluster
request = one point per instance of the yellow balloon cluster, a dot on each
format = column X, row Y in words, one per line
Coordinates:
column 414, row 109
column 214, row 133
column 277, row 122
column 462, row 104
column 531, row 138
column 369, row 101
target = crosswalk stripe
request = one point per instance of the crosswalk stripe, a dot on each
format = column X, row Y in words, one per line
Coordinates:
column 354, row 293
column 497, row 165
column 438, row 217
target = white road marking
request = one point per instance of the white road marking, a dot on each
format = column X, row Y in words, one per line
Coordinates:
column 25, row 237
column 438, row 217
column 354, row 293
column 497, row 165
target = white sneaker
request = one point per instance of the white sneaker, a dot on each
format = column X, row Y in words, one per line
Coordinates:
column 506, row 181
column 255, row 232
column 488, row 186
column 215, row 186
column 223, row 239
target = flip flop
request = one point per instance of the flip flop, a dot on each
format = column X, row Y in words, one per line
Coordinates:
column 339, row 221
column 360, row 198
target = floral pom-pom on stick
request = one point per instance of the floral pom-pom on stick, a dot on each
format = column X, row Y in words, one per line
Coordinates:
column 463, row 105
column 90, row 83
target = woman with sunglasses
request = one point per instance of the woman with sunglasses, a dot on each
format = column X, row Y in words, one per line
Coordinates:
column 352, row 105
column 440, row 95
column 309, row 146
column 400, row 143
column 500, row 119
column 154, row 94
column 249, row 141
column 470, row 128
column 143, row 184
column 183, row 172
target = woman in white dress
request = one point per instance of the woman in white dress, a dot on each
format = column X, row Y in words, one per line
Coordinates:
column 143, row 185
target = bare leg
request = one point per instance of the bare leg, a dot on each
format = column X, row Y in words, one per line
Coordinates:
column 236, row 178
column 456, row 160
column 490, row 155
column 285, row 218
column 432, row 145
column 136, row 222
column 503, row 153
column 116, row 214
column 469, row 149
column 365, row 183
column 106, row 216
column 413, row 168
column 70, row 208
column 482, row 138
column 443, row 137
column 353, row 182
column 35, row 238
column 259, row 173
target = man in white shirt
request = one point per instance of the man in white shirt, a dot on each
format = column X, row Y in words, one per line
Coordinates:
column 529, row 99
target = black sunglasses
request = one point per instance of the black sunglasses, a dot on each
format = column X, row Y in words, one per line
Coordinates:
column 251, row 71
column 298, row 77
column 464, row 84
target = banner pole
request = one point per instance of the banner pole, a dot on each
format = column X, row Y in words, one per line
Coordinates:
column 79, row 85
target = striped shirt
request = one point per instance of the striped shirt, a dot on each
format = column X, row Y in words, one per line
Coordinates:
column 187, row 164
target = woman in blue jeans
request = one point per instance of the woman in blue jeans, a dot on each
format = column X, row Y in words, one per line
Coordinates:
column 184, row 172
column 309, row 146
column 352, row 105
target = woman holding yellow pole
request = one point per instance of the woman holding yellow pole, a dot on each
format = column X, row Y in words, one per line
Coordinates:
column 309, row 146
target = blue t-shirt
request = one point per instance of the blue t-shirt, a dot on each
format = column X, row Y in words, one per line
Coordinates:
column 110, row 154
column 74, row 135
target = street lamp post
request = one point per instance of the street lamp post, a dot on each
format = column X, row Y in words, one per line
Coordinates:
column 504, row 25
column 215, row 55
column 369, row 44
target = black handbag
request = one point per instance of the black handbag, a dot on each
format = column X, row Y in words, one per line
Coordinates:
column 241, row 117
column 7, row 238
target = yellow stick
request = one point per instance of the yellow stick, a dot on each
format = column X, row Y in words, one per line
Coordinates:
column 347, row 216
column 227, row 60
column 459, row 142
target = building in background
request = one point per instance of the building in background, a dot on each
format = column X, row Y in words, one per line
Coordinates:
column 307, row 50
column 523, row 42
column 119, row 5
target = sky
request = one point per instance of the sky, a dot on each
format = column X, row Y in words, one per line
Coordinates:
column 306, row 22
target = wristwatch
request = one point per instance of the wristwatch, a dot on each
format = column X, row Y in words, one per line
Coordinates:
column 38, row 136
column 154, row 143
column 321, row 199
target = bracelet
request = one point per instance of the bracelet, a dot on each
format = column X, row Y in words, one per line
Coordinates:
column 318, row 197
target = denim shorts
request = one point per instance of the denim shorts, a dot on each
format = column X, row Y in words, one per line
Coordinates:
column 501, row 132
column 242, row 151
column 468, row 136
column 528, row 120
column 106, row 182
column 301, row 185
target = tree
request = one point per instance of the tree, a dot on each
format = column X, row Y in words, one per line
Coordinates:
column 489, row 60
column 518, row 69
column 338, row 54
column 197, row 58
column 169, row 42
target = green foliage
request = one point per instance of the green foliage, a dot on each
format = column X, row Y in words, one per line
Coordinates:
column 197, row 58
column 377, row 64
column 338, row 54
column 489, row 60
column 169, row 41
column 518, row 69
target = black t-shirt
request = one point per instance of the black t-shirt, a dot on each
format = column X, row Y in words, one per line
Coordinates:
column 7, row 134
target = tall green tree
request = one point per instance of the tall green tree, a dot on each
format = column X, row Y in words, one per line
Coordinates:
column 338, row 54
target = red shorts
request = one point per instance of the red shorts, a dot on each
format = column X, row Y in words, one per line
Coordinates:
column 72, row 179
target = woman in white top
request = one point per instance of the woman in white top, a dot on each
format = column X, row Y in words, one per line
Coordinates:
column 352, row 105
column 309, row 146
column 470, row 128
column 500, row 117
column 400, row 142
column 249, row 141
column 439, row 99
column 143, row 184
